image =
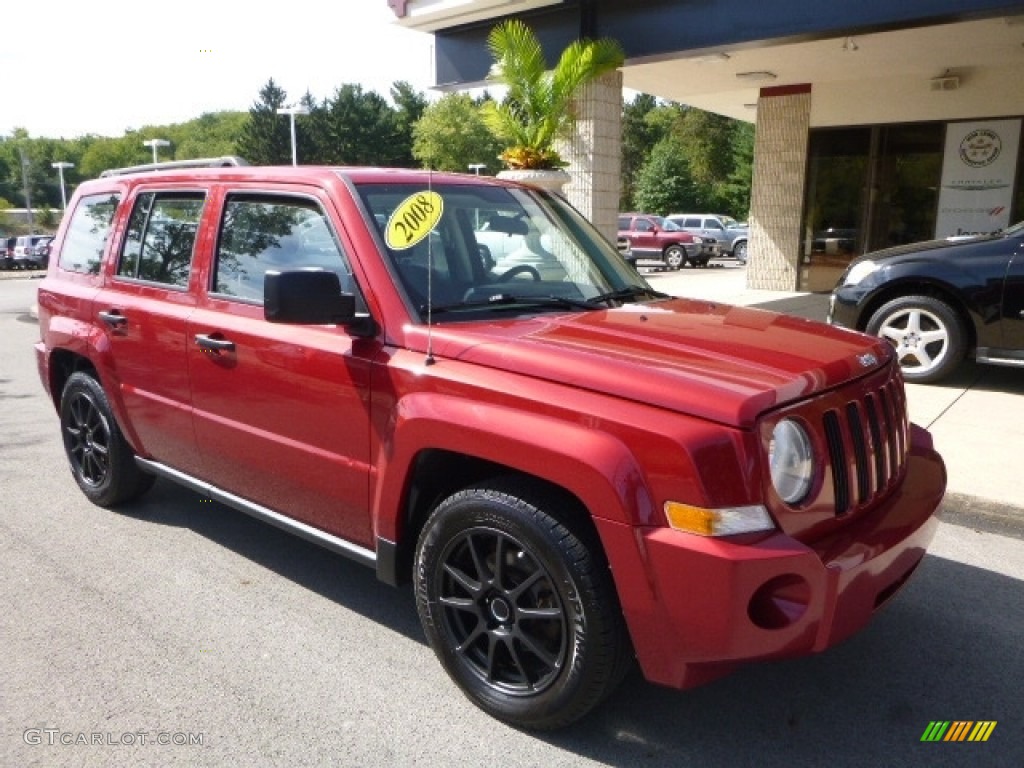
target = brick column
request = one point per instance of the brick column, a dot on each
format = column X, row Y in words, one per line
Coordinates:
column 780, row 169
column 594, row 154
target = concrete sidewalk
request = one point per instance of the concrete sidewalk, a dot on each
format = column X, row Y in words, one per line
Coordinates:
column 976, row 416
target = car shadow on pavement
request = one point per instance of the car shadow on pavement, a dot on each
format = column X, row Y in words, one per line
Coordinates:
column 947, row 648
column 336, row 578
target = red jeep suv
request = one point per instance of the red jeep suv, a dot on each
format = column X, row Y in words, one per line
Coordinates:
column 573, row 470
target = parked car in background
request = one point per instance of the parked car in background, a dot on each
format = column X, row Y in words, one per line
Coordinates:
column 7, row 252
column 939, row 301
column 728, row 235
column 42, row 253
column 657, row 239
column 26, row 255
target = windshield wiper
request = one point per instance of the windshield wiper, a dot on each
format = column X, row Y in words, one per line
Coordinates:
column 627, row 293
column 512, row 301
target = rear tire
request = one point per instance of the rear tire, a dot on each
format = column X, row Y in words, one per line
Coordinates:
column 519, row 609
column 102, row 462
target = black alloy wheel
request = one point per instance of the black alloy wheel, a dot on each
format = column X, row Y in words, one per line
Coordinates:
column 101, row 460
column 520, row 612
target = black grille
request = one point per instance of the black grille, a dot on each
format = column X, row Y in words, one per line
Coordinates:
column 867, row 441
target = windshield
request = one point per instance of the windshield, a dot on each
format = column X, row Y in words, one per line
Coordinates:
column 462, row 250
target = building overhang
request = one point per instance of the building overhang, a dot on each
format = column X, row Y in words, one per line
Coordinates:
column 869, row 62
column 435, row 15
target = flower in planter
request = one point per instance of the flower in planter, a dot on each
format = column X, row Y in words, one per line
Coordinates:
column 538, row 108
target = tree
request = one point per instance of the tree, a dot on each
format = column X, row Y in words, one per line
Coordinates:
column 410, row 105
column 266, row 136
column 638, row 139
column 538, row 108
column 451, row 134
column 665, row 184
column 360, row 129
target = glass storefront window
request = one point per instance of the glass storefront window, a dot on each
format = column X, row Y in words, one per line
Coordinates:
column 867, row 188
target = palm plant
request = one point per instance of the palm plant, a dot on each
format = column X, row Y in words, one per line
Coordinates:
column 538, row 108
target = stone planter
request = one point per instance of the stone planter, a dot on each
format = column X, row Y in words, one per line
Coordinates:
column 552, row 179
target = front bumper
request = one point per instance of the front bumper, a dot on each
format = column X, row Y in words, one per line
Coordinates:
column 696, row 607
column 845, row 307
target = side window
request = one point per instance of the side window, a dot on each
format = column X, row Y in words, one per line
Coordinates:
column 161, row 236
column 713, row 224
column 260, row 233
column 692, row 223
column 87, row 234
column 643, row 225
column 623, row 222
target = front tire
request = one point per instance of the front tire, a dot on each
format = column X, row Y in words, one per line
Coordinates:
column 739, row 251
column 675, row 257
column 101, row 460
column 519, row 609
column 927, row 333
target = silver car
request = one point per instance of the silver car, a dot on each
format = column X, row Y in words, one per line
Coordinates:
column 730, row 235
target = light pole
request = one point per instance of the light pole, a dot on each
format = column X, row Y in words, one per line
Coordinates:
column 60, row 166
column 154, row 143
column 292, row 112
column 28, row 192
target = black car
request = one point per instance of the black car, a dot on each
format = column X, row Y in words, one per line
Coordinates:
column 940, row 300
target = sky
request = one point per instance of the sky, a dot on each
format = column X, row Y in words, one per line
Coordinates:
column 69, row 68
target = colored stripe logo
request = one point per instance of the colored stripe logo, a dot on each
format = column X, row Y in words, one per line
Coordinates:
column 958, row 730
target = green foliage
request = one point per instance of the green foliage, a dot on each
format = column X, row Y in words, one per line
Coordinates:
column 266, row 135
column 665, row 184
column 451, row 135
column 410, row 105
column 637, row 142
column 538, row 108
column 699, row 161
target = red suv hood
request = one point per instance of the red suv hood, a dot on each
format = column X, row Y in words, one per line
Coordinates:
column 715, row 361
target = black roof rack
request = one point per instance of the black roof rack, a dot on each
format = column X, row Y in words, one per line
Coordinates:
column 203, row 162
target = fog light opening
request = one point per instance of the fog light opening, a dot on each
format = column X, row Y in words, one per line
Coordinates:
column 780, row 603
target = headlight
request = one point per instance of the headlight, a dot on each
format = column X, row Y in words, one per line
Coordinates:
column 859, row 271
column 791, row 460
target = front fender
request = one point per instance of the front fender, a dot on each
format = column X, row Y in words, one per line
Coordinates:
column 594, row 466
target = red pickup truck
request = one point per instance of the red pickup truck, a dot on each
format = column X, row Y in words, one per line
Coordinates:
column 573, row 470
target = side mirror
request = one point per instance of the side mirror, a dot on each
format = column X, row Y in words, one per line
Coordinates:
column 310, row 297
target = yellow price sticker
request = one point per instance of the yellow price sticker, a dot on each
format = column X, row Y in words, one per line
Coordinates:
column 413, row 220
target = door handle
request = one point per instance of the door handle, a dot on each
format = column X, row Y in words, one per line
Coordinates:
column 113, row 318
column 211, row 344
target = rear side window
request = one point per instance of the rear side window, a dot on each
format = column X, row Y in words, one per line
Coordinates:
column 87, row 234
column 161, row 237
column 693, row 223
column 261, row 233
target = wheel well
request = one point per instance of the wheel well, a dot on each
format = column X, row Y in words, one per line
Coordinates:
column 436, row 475
column 63, row 363
column 920, row 289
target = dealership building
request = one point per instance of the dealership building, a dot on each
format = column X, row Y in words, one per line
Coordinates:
column 877, row 122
